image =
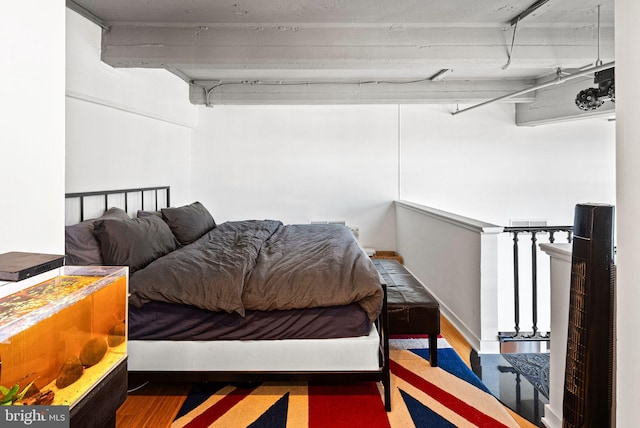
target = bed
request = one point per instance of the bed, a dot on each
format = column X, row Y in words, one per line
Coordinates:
column 248, row 300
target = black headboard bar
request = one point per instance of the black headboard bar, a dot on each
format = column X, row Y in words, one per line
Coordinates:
column 167, row 192
column 125, row 192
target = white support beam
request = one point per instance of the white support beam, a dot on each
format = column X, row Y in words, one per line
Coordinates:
column 409, row 48
column 449, row 92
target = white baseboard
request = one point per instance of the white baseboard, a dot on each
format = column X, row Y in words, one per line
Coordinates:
column 468, row 335
column 551, row 419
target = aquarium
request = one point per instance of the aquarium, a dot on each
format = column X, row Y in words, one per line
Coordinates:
column 61, row 336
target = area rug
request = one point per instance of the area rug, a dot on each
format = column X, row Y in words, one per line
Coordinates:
column 449, row 395
column 534, row 367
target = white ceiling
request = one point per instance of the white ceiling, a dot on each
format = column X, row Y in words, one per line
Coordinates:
column 297, row 51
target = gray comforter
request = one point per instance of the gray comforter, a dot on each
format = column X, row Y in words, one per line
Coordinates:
column 263, row 265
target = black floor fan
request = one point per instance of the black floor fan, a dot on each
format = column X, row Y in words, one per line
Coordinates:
column 588, row 391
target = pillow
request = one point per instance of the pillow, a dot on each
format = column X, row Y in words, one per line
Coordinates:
column 134, row 242
column 188, row 223
column 142, row 213
column 81, row 246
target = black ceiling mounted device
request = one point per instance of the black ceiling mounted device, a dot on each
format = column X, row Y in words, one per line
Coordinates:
column 593, row 98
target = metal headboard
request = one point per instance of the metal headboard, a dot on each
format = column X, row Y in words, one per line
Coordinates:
column 126, row 193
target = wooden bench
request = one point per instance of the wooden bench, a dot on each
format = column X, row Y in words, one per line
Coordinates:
column 411, row 308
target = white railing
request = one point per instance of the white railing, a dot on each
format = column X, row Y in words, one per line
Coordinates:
column 456, row 258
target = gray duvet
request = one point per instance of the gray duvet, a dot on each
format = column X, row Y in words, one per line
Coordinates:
column 263, row 265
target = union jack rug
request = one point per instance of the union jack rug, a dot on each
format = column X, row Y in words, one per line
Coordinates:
column 449, row 395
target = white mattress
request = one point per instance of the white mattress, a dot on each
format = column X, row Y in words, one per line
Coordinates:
column 343, row 354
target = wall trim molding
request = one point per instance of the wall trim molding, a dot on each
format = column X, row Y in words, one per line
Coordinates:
column 115, row 105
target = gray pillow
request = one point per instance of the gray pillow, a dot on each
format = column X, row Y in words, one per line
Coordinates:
column 134, row 242
column 81, row 246
column 142, row 213
column 188, row 223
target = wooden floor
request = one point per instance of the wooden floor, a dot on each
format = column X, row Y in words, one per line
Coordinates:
column 457, row 341
column 156, row 405
column 153, row 405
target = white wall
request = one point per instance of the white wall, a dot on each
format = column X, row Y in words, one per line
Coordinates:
column 306, row 163
column 32, row 142
column 125, row 127
column 300, row 164
column 627, row 209
column 478, row 164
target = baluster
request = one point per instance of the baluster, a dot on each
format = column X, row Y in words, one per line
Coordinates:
column 534, row 231
column 534, row 282
column 516, row 286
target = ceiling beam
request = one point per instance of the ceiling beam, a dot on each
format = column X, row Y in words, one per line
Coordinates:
column 213, row 93
column 410, row 49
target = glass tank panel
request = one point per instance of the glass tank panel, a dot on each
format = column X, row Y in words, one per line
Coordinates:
column 64, row 334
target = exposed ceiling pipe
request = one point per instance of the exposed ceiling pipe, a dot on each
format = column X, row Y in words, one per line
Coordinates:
column 440, row 74
column 514, row 23
column 528, row 12
column 558, row 80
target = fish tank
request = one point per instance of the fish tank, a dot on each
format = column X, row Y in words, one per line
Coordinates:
column 61, row 336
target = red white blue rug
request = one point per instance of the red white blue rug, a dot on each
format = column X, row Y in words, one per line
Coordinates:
column 449, row 395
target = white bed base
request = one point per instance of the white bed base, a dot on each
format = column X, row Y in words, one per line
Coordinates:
column 290, row 355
